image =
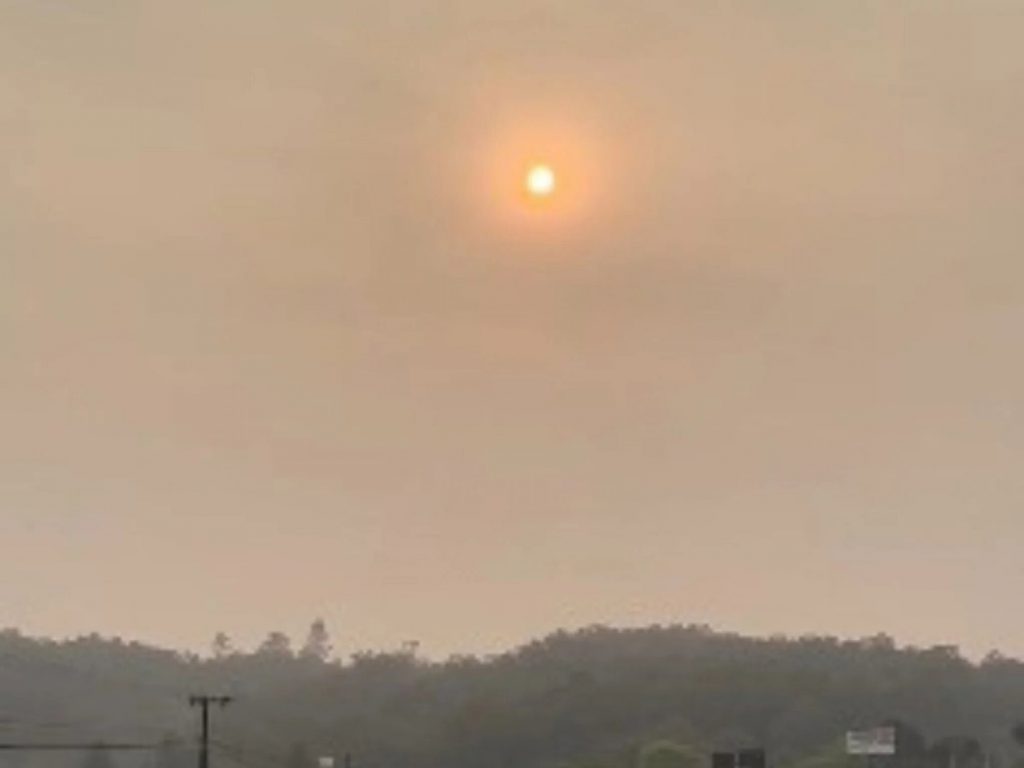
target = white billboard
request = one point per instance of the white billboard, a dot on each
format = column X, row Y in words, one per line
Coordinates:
column 874, row 741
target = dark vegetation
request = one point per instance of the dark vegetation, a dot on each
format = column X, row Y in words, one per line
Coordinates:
column 598, row 698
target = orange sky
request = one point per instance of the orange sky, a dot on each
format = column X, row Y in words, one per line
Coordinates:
column 281, row 338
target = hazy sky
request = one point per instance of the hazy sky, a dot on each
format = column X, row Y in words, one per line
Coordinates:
column 279, row 337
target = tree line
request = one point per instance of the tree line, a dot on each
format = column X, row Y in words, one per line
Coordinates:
column 657, row 697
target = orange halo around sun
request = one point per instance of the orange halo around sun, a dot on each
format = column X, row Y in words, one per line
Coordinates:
column 540, row 176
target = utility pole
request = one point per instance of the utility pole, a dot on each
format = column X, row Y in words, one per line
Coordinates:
column 204, row 702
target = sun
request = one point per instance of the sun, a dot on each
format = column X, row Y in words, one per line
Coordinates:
column 541, row 181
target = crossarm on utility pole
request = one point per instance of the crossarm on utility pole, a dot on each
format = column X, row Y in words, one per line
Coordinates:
column 204, row 701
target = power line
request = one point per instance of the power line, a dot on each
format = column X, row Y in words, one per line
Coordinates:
column 92, row 745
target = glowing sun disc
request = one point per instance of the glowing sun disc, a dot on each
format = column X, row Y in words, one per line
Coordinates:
column 540, row 181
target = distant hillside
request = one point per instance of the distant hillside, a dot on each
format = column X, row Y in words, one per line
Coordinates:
column 597, row 697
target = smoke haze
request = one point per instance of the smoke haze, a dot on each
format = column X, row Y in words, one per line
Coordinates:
column 277, row 341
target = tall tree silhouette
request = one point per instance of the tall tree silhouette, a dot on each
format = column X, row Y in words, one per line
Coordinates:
column 318, row 642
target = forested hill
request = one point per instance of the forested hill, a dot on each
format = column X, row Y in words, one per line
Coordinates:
column 652, row 698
